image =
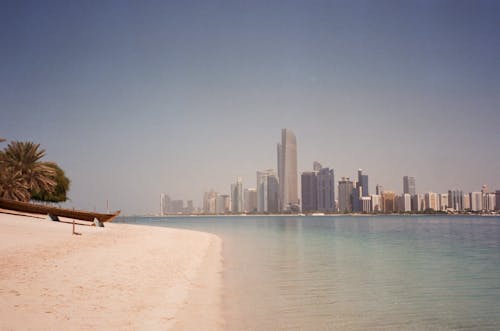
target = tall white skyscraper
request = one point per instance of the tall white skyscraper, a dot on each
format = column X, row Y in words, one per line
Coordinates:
column 237, row 196
column 287, row 171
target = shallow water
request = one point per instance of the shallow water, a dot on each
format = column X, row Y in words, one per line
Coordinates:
column 356, row 273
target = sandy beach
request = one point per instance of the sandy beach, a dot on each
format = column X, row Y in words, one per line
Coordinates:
column 124, row 277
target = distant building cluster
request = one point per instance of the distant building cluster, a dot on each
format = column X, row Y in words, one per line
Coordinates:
column 174, row 207
column 277, row 192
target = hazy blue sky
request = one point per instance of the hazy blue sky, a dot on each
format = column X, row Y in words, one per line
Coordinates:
column 137, row 98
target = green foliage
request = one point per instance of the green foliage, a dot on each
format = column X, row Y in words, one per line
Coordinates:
column 60, row 190
column 24, row 176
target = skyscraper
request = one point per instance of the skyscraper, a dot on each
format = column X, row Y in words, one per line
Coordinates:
column 409, row 185
column 326, row 190
column 163, row 204
column 455, row 200
column 287, row 171
column 476, row 201
column 267, row 192
column 388, row 202
column 363, row 183
column 345, row 195
column 250, row 200
column 361, row 190
column 309, row 185
column 317, row 166
column 237, row 196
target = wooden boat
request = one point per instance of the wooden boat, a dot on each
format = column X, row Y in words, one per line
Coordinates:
column 82, row 215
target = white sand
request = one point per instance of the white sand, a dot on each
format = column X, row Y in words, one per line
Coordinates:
column 121, row 277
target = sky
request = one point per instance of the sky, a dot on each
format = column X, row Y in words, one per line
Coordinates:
column 136, row 98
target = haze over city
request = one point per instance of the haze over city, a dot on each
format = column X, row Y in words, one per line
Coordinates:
column 134, row 99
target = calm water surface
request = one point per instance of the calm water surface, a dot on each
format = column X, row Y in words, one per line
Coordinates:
column 356, row 273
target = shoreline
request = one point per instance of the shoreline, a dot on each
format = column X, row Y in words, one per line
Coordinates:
column 122, row 276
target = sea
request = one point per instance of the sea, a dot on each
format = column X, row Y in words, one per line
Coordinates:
column 355, row 272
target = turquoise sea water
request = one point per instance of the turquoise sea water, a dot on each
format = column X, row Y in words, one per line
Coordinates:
column 356, row 273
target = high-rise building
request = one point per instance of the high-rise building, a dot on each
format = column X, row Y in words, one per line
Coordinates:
column 287, row 171
column 345, row 195
column 388, row 201
column 309, row 188
column 431, row 201
column 497, row 200
column 317, row 166
column 455, row 200
column 376, row 203
column 237, row 196
column 366, row 203
column 363, row 183
column 443, row 201
column 164, row 202
column 176, row 207
column 189, row 207
column 379, row 189
column 209, row 202
column 406, row 202
column 489, row 201
column 326, row 190
column 476, row 201
column 466, row 201
column 409, row 185
column 273, row 194
column 361, row 190
column 267, row 192
column 223, row 204
column 250, row 200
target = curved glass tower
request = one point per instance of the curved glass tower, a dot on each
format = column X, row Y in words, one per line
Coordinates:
column 287, row 170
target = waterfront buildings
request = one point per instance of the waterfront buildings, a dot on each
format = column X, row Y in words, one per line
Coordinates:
column 287, row 171
column 406, row 199
column 443, row 201
column 409, row 185
column 379, row 189
column 346, row 188
column 164, row 202
column 388, row 201
column 209, row 202
column 267, row 192
column 361, row 190
column 237, row 196
column 466, row 201
column 497, row 200
column 376, row 205
column 456, row 200
column 366, row 204
column 309, row 185
column 250, row 200
column 326, row 190
column 476, row 201
column 431, row 201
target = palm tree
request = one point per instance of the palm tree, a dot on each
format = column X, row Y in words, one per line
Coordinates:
column 23, row 159
column 13, row 186
column 59, row 194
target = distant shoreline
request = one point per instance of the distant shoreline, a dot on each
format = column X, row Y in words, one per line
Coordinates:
column 311, row 215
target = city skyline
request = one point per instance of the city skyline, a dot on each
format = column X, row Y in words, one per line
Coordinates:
column 134, row 99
